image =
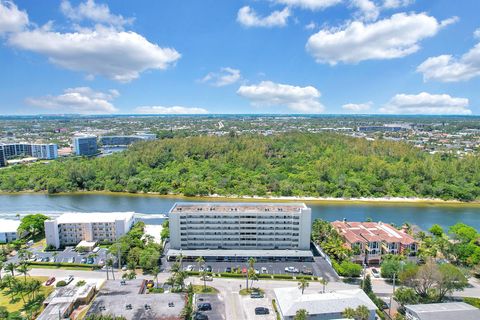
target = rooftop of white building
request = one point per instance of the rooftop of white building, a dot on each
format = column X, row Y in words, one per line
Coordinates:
column 223, row 207
column 291, row 299
column 92, row 217
column 7, row 225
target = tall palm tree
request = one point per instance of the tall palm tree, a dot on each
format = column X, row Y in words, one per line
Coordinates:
column 109, row 264
column 23, row 269
column 201, row 262
column 10, row 267
column 324, row 282
column 156, row 271
column 303, row 284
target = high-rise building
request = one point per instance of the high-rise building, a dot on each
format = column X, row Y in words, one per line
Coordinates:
column 240, row 230
column 85, row 145
column 3, row 158
column 71, row 228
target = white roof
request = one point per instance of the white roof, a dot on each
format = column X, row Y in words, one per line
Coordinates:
column 291, row 299
column 277, row 253
column 7, row 225
column 94, row 217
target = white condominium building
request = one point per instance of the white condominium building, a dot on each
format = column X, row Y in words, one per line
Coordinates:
column 240, row 229
column 71, row 228
column 8, row 230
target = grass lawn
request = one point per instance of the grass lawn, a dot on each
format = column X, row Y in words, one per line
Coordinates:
column 38, row 266
column 201, row 289
column 11, row 307
column 245, row 292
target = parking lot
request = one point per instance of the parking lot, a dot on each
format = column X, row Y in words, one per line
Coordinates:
column 68, row 255
column 249, row 305
column 218, row 306
column 319, row 267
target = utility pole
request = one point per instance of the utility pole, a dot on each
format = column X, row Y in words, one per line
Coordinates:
column 391, row 298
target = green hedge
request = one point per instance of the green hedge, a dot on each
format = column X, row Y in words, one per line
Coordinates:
column 264, row 276
column 193, row 273
column 275, row 308
column 304, row 277
column 282, row 276
column 231, row 275
column 63, row 264
column 472, row 301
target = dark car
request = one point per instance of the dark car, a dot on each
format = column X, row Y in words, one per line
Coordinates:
column 256, row 295
column 228, row 269
column 307, row 271
column 204, row 306
column 90, row 261
column 50, row 281
column 208, row 269
column 261, row 310
column 200, row 316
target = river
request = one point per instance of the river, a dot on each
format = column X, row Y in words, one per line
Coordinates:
column 423, row 215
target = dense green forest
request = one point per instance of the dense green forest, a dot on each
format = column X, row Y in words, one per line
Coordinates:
column 293, row 164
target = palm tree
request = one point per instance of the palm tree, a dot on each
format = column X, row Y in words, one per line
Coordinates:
column 349, row 313
column 201, row 262
column 324, row 282
column 301, row 314
column 10, row 267
column 303, row 284
column 109, row 263
column 2, row 263
column 23, row 269
column 180, row 259
column 156, row 271
column 362, row 313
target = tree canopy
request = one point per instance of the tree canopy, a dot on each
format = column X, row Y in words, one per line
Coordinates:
column 290, row 164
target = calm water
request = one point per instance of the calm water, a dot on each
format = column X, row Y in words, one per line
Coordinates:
column 423, row 216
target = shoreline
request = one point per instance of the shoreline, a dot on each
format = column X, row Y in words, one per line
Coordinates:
column 315, row 200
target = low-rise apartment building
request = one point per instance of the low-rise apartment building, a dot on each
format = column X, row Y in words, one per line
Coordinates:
column 370, row 240
column 71, row 228
column 226, row 231
column 8, row 230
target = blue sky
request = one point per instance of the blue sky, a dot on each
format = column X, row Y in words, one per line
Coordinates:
column 263, row 56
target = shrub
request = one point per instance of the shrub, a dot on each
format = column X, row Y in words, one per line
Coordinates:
column 156, row 290
column 231, row 275
column 81, row 283
column 349, row 269
column 282, row 276
column 303, row 277
column 61, row 283
column 473, row 301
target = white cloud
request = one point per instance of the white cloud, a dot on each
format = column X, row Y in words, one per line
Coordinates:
column 82, row 100
column 224, row 77
column 394, row 37
column 310, row 4
column 368, row 10
column 357, row 107
column 249, row 18
column 89, row 10
column 311, row 26
column 170, row 110
column 11, row 18
column 393, row 4
column 476, row 33
column 446, row 68
column 118, row 55
column 426, row 103
column 298, row 99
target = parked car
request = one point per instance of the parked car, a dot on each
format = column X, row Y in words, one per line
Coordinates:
column 261, row 310
column 189, row 268
column 256, row 295
column 150, row 284
column 50, row 281
column 375, row 273
column 228, row 269
column 202, row 268
column 307, row 271
column 204, row 306
column 90, row 260
column 71, row 260
column 291, row 270
column 39, row 259
column 96, row 249
column 264, row 270
column 84, row 260
column 45, row 259
column 69, row 279
column 124, row 268
column 208, row 269
column 206, row 278
column 200, row 316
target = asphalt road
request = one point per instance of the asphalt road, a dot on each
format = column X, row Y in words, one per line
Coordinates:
column 229, row 288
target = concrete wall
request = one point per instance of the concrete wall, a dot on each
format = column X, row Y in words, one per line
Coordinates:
column 51, row 233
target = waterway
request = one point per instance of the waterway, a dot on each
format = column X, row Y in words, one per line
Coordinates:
column 150, row 207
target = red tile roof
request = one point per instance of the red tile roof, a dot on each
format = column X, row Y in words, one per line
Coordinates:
column 372, row 231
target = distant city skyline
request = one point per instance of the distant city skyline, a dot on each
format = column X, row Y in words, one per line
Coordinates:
column 240, row 57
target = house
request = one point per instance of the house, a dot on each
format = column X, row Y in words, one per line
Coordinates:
column 442, row 311
column 370, row 240
column 321, row 306
column 8, row 230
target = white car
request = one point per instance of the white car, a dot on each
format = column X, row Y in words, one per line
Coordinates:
column 264, row 270
column 291, row 270
column 189, row 268
column 96, row 249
